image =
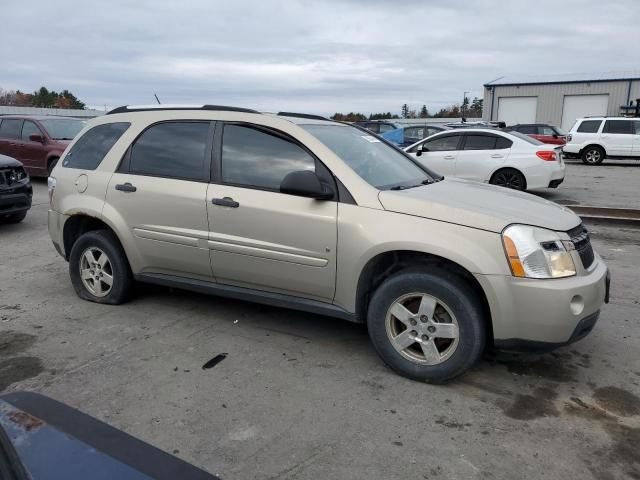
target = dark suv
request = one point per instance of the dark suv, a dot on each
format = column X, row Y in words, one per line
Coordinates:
column 37, row 141
column 15, row 190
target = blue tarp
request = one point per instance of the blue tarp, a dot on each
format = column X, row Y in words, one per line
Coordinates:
column 395, row 136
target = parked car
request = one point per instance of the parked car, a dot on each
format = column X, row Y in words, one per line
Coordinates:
column 379, row 126
column 15, row 190
column 543, row 132
column 507, row 159
column 37, row 141
column 595, row 138
column 405, row 136
column 479, row 124
column 322, row 217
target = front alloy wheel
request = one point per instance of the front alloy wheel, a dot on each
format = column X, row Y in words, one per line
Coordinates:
column 96, row 272
column 422, row 328
column 593, row 156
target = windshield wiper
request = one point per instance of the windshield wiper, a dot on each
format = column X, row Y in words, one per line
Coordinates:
column 426, row 181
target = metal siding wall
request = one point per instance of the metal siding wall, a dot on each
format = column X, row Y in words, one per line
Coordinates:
column 635, row 90
column 551, row 97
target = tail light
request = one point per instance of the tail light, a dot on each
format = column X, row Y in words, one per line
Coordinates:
column 547, row 155
column 51, row 184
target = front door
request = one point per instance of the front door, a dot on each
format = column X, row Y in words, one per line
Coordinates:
column 34, row 155
column 261, row 238
column 480, row 156
column 441, row 153
column 9, row 133
column 160, row 192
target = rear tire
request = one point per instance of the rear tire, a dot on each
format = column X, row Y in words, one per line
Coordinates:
column 509, row 178
column 593, row 155
column 13, row 217
column 427, row 325
column 99, row 268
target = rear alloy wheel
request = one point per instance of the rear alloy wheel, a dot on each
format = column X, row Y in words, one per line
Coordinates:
column 427, row 324
column 593, row 156
column 509, row 178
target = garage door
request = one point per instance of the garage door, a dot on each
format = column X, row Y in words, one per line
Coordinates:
column 577, row 106
column 512, row 110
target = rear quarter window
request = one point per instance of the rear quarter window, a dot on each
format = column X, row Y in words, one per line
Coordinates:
column 93, row 146
column 589, row 126
column 621, row 127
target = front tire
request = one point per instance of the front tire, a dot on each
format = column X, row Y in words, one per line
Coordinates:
column 99, row 268
column 593, row 155
column 427, row 325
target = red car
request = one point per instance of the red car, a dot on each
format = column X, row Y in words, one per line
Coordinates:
column 37, row 141
column 540, row 131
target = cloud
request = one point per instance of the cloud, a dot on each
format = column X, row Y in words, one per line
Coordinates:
column 312, row 56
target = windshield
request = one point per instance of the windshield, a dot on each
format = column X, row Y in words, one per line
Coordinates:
column 377, row 163
column 62, row 128
column 526, row 138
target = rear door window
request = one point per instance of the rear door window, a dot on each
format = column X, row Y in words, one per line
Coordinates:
column 10, row 128
column 91, row 148
column 173, row 150
column 502, row 143
column 589, row 126
column 621, row 127
column 479, row 142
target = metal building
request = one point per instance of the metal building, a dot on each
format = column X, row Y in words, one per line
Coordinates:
column 64, row 112
column 560, row 99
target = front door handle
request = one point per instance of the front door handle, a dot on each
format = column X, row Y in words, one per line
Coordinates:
column 497, row 155
column 126, row 187
column 225, row 202
column 449, row 157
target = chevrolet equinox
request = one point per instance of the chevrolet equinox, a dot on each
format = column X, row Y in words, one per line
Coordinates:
column 298, row 211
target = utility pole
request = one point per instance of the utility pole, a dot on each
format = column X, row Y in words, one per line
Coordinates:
column 464, row 104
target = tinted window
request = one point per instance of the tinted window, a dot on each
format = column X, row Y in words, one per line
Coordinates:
column 502, row 143
column 432, row 130
column 546, row 131
column 442, row 144
column 618, row 126
column 527, row 130
column 589, row 126
column 172, row 149
column 376, row 162
column 386, row 128
column 259, row 159
column 29, row 128
column 637, row 125
column 10, row 128
column 63, row 128
column 374, row 127
column 526, row 138
column 90, row 149
column 416, row 133
column 479, row 142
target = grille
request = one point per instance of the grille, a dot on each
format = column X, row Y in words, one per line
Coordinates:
column 582, row 242
column 8, row 176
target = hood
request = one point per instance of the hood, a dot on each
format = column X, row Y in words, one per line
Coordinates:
column 478, row 205
column 9, row 161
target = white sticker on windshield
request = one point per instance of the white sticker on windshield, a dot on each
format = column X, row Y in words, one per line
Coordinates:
column 370, row 139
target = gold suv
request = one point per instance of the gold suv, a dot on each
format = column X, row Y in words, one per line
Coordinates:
column 298, row 211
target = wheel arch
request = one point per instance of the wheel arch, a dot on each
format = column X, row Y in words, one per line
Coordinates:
column 509, row 167
column 593, row 145
column 386, row 264
column 77, row 225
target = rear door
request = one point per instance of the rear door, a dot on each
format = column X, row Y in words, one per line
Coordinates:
column 34, row 155
column 159, row 191
column 481, row 154
column 617, row 137
column 441, row 153
column 9, row 134
column 261, row 238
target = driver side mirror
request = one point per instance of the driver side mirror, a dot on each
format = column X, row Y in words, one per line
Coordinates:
column 305, row 183
column 421, row 149
column 36, row 138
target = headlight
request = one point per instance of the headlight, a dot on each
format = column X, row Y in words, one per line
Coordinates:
column 17, row 174
column 537, row 252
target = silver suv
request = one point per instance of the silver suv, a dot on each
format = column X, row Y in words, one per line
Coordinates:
column 298, row 211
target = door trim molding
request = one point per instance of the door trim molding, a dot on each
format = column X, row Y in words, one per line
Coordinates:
column 248, row 294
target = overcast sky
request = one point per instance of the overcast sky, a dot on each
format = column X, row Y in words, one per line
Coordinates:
column 313, row 56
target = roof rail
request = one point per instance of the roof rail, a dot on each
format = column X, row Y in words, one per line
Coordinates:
column 148, row 108
column 302, row 115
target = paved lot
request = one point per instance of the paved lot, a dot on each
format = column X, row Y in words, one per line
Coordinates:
column 303, row 396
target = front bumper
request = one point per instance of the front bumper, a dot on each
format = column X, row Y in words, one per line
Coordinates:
column 15, row 199
column 543, row 314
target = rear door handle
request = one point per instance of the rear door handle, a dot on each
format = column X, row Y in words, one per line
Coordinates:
column 449, row 157
column 225, row 202
column 126, row 187
column 497, row 155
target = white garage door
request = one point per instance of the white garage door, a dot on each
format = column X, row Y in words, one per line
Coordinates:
column 512, row 110
column 577, row 106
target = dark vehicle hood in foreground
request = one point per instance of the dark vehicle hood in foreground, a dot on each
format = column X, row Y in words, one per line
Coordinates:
column 44, row 439
column 478, row 205
column 6, row 161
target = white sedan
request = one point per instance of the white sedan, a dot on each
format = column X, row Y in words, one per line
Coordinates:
column 508, row 159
